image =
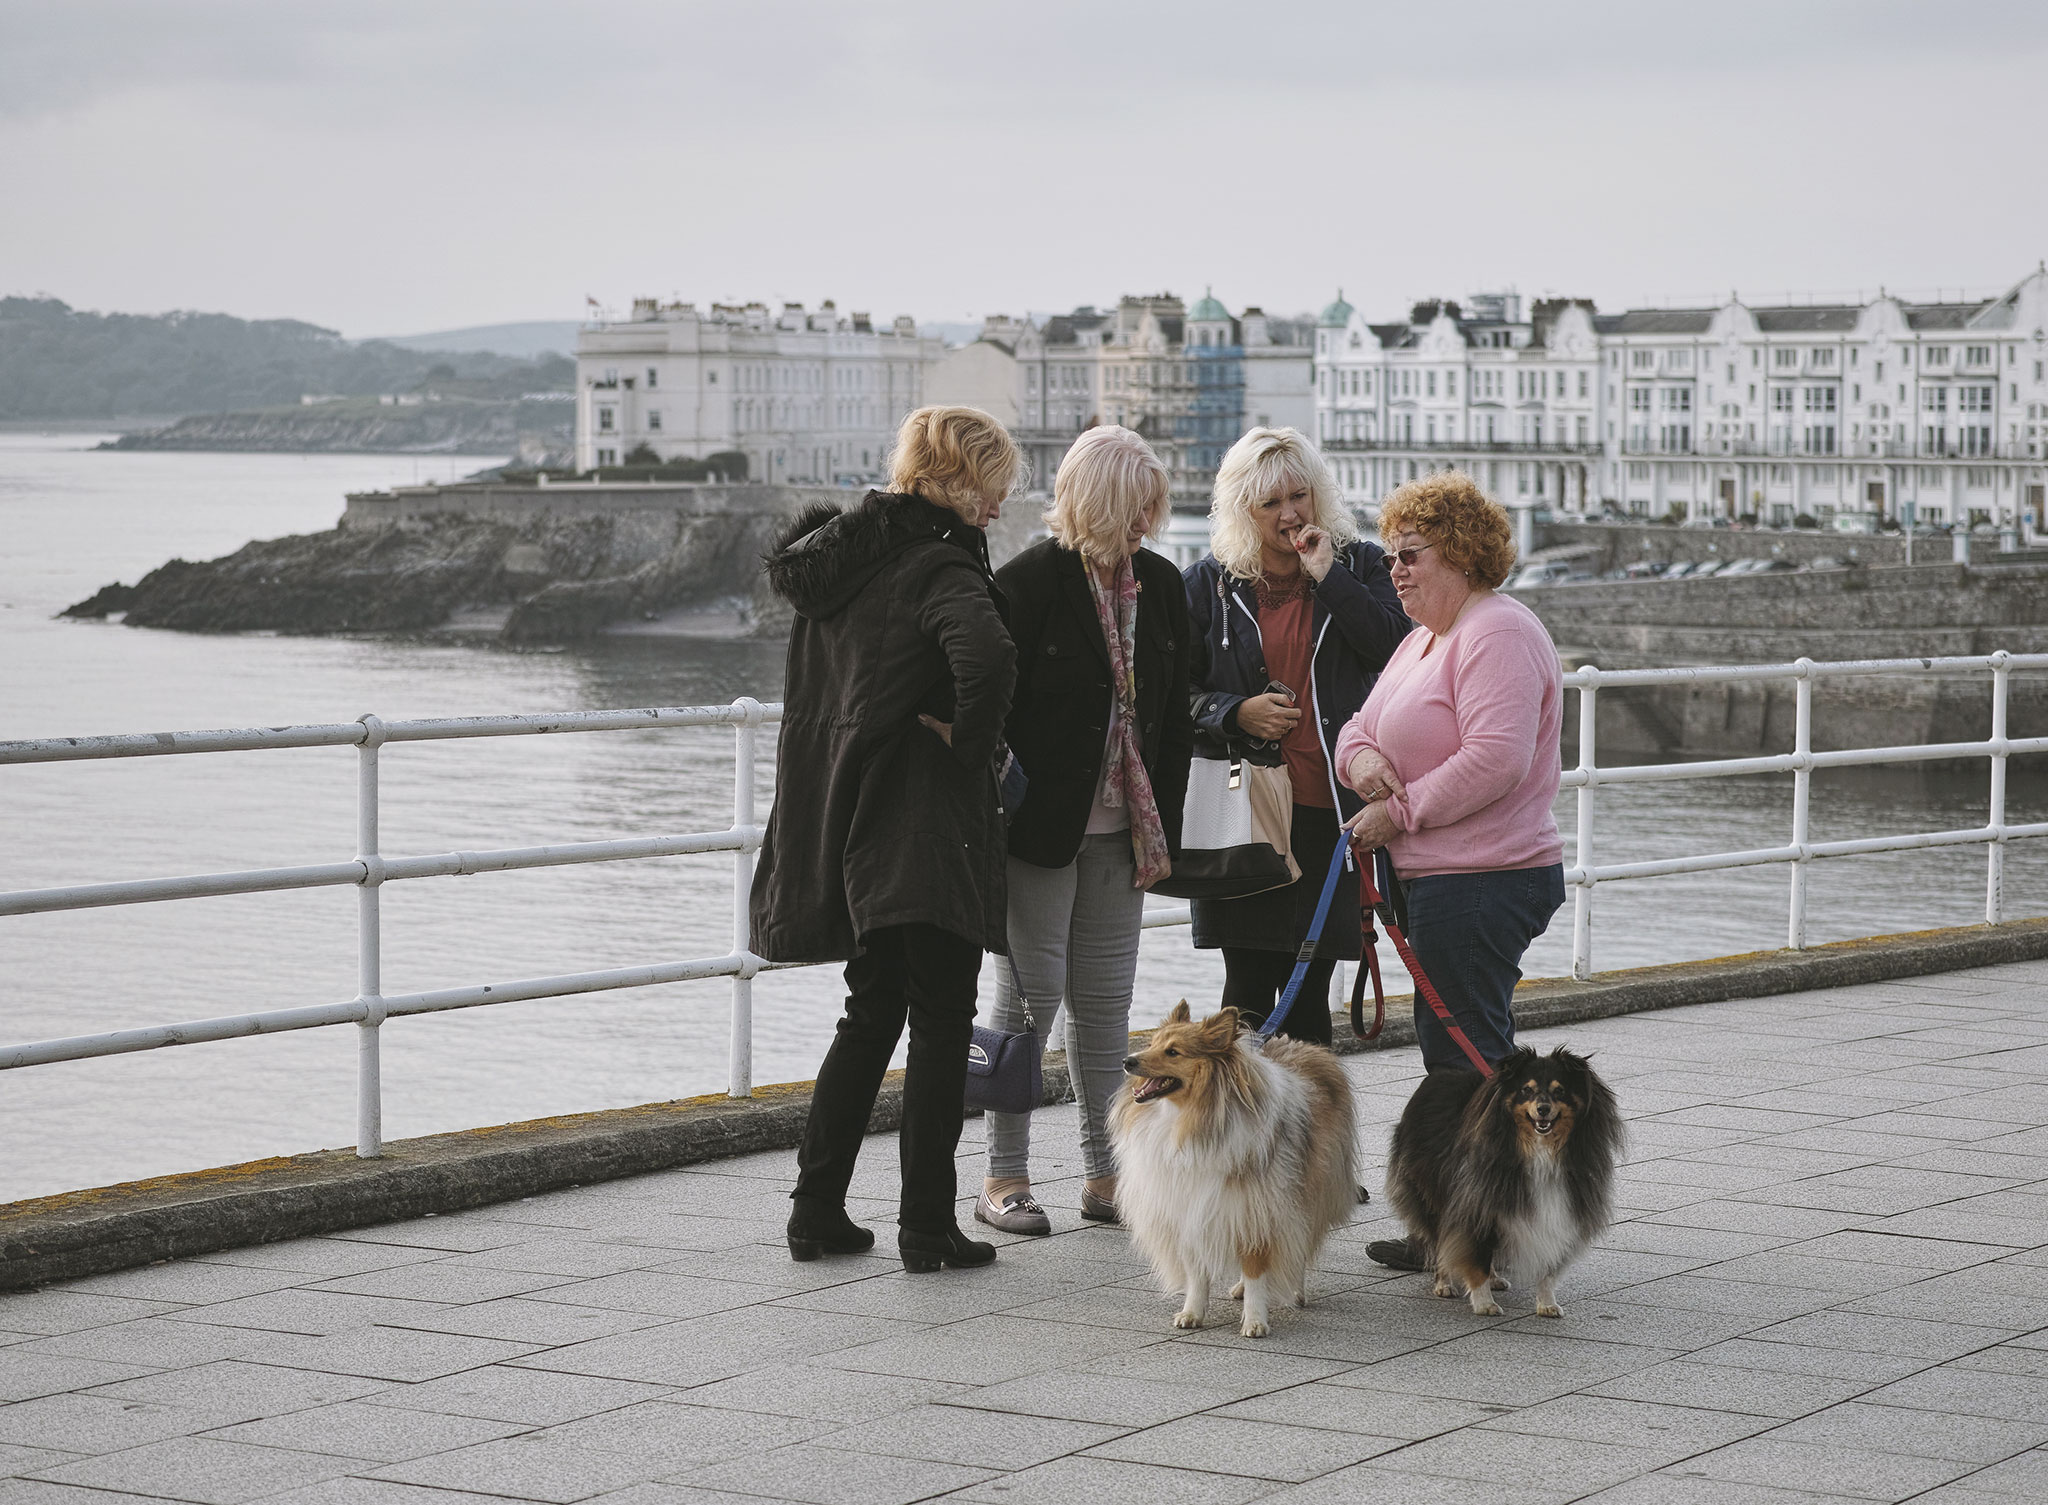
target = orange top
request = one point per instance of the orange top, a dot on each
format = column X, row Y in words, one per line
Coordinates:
column 1286, row 627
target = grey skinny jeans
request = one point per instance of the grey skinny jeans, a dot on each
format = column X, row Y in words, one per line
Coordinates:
column 1074, row 937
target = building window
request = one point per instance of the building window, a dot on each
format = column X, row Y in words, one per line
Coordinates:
column 607, row 457
column 1642, row 360
column 1639, row 470
column 1639, row 399
column 1820, row 399
column 1973, row 399
column 654, row 420
column 1934, row 399
column 605, row 419
column 1783, row 357
column 1937, row 355
column 1824, row 475
column 653, row 378
column 1978, row 477
column 1822, row 358
column 1678, row 360
column 1582, row 384
column 1976, row 355
column 1781, row 475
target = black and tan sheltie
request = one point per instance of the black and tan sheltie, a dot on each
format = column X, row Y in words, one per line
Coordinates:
column 1506, row 1178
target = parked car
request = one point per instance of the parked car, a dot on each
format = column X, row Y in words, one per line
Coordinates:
column 1546, row 572
column 1858, row 522
column 1681, row 570
column 1708, row 567
column 1704, row 522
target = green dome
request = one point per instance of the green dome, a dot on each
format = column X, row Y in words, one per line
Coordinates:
column 1338, row 314
column 1209, row 311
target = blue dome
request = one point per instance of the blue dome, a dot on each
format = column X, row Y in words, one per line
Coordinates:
column 1338, row 314
column 1209, row 311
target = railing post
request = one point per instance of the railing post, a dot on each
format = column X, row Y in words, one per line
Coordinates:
column 1582, row 902
column 369, row 949
column 1802, row 795
column 740, row 1044
column 1994, row 877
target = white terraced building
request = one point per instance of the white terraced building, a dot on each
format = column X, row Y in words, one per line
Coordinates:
column 1778, row 412
column 810, row 397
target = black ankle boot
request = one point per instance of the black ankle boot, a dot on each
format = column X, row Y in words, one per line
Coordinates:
column 925, row 1249
column 815, row 1229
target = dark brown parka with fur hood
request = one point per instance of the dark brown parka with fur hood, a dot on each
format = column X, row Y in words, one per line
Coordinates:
column 877, row 822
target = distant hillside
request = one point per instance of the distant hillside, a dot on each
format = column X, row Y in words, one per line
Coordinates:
column 536, row 429
column 59, row 362
column 527, row 340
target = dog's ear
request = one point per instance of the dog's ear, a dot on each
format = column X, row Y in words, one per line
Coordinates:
column 1180, row 1014
column 1220, row 1029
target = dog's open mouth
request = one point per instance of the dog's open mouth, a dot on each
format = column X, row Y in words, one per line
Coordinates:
column 1152, row 1088
column 1545, row 1125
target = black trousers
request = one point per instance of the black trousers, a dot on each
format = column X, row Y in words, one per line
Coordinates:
column 926, row 975
column 1252, row 981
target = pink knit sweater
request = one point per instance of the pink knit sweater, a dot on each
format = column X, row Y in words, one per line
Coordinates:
column 1470, row 723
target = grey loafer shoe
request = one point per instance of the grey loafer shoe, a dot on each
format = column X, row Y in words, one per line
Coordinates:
column 1019, row 1213
column 1097, row 1209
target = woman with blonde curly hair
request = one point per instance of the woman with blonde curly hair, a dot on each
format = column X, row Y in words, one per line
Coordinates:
column 884, row 848
column 1456, row 755
column 1292, row 616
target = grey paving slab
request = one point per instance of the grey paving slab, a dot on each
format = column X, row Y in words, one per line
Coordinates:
column 443, row 1283
column 1745, row 1392
column 819, row 1476
column 977, row 1439
column 1112, row 1482
column 24, row 1376
column 1926, row 1434
column 1477, row 1453
column 202, row 1469
column 377, row 1433
column 1671, row 1432
column 158, row 1343
column 353, row 1491
column 23, row 1460
column 309, row 1312
column 248, row 1391
column 1375, row 1480
column 1241, row 1445
column 525, row 1469
column 395, row 1353
column 530, row 1397
column 1835, row 1470
column 55, row 1311
column 2024, row 1477
column 1113, row 1400
column 842, row 1395
column 323, row 1256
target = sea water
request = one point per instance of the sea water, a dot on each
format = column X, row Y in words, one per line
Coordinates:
column 73, row 519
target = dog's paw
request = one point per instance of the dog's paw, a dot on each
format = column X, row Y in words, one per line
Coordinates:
column 1550, row 1311
column 1485, row 1306
column 1444, row 1288
column 1187, row 1319
column 1500, row 1283
column 1253, row 1328
column 1237, row 1291
column 1301, row 1297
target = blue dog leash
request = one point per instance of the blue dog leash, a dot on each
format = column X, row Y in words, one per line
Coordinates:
column 1307, row 953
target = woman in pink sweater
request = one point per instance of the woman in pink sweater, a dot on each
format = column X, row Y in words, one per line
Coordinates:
column 1456, row 753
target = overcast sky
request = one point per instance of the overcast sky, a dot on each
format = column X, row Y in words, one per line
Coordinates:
column 393, row 166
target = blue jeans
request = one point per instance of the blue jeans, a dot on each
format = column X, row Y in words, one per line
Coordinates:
column 1469, row 931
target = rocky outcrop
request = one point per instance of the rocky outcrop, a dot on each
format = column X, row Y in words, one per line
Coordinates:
column 551, row 575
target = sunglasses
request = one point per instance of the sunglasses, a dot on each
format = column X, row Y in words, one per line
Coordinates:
column 1409, row 556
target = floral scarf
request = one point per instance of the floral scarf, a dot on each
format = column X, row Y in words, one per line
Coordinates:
column 1124, row 777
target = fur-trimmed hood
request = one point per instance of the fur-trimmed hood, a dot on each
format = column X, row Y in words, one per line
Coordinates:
column 824, row 559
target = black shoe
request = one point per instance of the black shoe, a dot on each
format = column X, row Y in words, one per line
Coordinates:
column 1396, row 1254
column 1364, row 1196
column 816, row 1230
column 924, row 1250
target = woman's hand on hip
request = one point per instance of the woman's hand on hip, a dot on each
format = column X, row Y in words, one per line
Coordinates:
column 1268, row 717
column 1373, row 826
column 1374, row 777
column 943, row 728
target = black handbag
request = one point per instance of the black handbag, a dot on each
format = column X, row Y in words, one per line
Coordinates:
column 1005, row 1073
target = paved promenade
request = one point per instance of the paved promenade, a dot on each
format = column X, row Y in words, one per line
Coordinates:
column 1830, row 1282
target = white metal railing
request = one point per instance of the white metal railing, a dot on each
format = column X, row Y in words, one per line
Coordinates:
column 370, row 869
column 1584, row 875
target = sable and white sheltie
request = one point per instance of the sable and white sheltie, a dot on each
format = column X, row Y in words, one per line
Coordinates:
column 1232, row 1159
column 1507, row 1177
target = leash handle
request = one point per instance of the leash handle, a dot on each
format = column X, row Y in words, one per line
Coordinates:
column 1379, row 991
column 1422, row 983
column 1307, row 951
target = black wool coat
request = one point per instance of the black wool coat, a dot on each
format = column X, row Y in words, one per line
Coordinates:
column 1059, row 722
column 877, row 822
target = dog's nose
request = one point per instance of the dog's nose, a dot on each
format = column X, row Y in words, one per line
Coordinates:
column 1131, row 1065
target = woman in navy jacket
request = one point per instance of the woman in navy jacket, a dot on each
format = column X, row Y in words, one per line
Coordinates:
column 1292, row 618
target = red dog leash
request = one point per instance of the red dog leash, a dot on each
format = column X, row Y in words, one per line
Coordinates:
column 1370, row 894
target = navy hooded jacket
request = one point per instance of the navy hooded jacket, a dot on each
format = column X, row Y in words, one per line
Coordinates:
column 1356, row 625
